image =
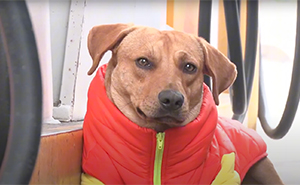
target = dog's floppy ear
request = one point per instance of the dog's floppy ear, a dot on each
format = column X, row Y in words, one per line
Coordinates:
column 219, row 67
column 103, row 38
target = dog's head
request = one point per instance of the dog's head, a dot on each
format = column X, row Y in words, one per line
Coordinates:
column 155, row 77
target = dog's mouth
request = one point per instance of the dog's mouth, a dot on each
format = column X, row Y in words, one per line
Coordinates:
column 141, row 112
column 168, row 119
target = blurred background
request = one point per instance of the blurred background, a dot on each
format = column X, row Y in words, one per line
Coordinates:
column 61, row 29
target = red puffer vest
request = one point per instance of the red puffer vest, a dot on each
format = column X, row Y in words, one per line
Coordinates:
column 117, row 151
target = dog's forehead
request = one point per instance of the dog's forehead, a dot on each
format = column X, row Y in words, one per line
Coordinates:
column 152, row 35
column 172, row 41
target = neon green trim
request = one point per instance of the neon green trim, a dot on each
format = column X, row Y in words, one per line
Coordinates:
column 227, row 174
column 160, row 138
column 86, row 179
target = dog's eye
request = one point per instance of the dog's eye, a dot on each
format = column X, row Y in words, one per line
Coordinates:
column 190, row 68
column 143, row 63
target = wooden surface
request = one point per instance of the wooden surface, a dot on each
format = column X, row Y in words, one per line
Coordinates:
column 52, row 129
column 59, row 159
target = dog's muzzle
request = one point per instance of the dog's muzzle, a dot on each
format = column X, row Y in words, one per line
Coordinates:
column 169, row 110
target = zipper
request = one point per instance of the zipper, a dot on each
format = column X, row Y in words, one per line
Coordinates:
column 160, row 138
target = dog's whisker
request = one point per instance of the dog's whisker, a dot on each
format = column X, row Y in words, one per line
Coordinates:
column 126, row 104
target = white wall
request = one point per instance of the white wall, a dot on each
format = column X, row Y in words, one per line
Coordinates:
column 149, row 13
column 61, row 29
column 59, row 18
column 84, row 14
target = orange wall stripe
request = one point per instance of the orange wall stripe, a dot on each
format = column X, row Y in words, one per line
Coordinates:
column 170, row 13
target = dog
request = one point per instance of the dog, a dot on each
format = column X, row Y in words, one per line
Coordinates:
column 155, row 79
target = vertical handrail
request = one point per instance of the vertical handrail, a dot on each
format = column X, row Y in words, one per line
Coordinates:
column 250, row 51
column 251, row 44
column 238, row 89
column 204, row 27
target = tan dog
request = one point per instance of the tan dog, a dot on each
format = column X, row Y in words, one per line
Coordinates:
column 155, row 78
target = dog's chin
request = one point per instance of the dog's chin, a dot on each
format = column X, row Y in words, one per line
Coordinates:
column 165, row 121
column 168, row 120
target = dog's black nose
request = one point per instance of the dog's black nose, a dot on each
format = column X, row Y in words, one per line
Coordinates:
column 170, row 99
